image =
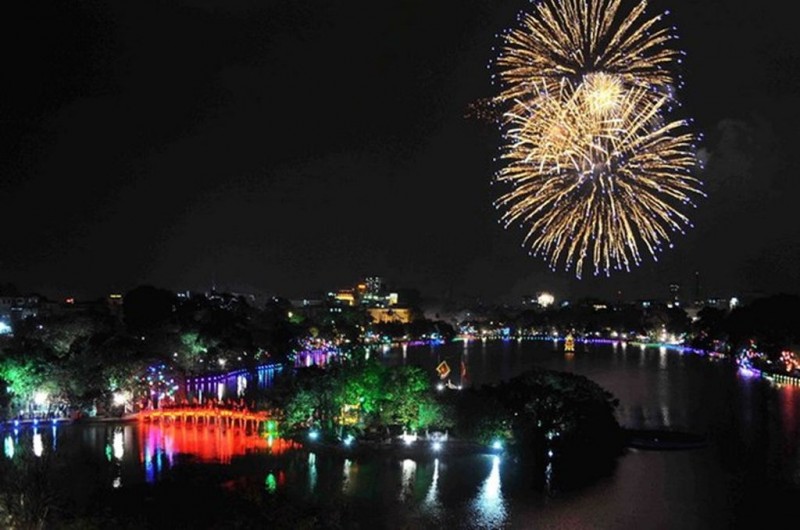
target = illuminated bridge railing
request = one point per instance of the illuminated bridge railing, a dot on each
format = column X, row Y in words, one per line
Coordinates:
column 205, row 416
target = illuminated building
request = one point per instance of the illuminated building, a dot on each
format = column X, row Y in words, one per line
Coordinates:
column 374, row 285
column 16, row 308
column 114, row 302
column 368, row 293
column 345, row 297
column 386, row 315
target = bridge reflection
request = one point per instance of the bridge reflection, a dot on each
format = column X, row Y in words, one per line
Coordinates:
column 161, row 444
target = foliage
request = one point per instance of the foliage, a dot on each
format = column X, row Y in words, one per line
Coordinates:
column 541, row 410
column 301, row 407
column 22, row 378
column 378, row 395
column 481, row 417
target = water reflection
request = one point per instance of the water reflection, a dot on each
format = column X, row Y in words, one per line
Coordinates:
column 207, row 444
column 241, row 385
column 347, row 481
column 432, row 498
column 312, row 472
column 271, row 483
column 489, row 506
column 314, row 357
column 118, row 444
column 407, row 479
column 665, row 420
column 38, row 446
column 8, row 447
column 160, row 444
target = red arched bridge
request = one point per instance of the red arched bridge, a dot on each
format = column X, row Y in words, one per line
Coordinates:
column 221, row 417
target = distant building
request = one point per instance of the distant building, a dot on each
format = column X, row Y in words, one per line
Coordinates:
column 716, row 303
column 229, row 300
column 305, row 302
column 388, row 315
column 674, row 293
column 374, row 285
column 16, row 308
column 310, row 308
column 369, row 293
column 345, row 297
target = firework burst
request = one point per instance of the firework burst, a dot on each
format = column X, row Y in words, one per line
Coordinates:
column 569, row 39
column 597, row 172
column 599, row 188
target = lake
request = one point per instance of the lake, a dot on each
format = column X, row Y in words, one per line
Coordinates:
column 749, row 472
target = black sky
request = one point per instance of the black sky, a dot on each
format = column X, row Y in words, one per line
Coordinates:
column 292, row 146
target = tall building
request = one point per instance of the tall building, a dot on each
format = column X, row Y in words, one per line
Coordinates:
column 374, row 285
column 674, row 293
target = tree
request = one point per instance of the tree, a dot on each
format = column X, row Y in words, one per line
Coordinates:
column 300, row 408
column 22, row 377
column 403, row 392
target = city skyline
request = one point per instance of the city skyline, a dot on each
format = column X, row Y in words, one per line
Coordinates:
column 291, row 149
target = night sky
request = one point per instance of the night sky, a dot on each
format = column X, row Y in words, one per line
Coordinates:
column 293, row 146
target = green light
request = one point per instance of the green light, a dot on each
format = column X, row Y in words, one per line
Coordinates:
column 271, row 483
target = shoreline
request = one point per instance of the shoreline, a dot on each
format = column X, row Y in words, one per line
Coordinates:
column 396, row 448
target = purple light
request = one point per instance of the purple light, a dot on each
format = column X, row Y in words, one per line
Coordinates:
column 747, row 372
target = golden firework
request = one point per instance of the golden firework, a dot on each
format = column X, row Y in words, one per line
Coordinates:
column 596, row 170
column 570, row 39
column 597, row 184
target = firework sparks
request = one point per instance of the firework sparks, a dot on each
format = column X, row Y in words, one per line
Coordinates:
column 596, row 171
column 568, row 39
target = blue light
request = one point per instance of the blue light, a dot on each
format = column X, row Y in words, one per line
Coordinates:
column 313, row 435
column 497, row 445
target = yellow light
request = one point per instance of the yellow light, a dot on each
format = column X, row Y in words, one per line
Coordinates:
column 603, row 93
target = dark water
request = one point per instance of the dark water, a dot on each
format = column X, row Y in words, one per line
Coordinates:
column 748, row 475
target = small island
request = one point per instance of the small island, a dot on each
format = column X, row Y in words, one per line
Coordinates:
column 541, row 417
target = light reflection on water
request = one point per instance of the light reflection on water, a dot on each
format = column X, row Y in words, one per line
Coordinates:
column 489, row 507
column 407, row 479
column 432, row 498
column 8, row 447
column 312, row 472
column 161, row 444
column 38, row 447
column 347, row 479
